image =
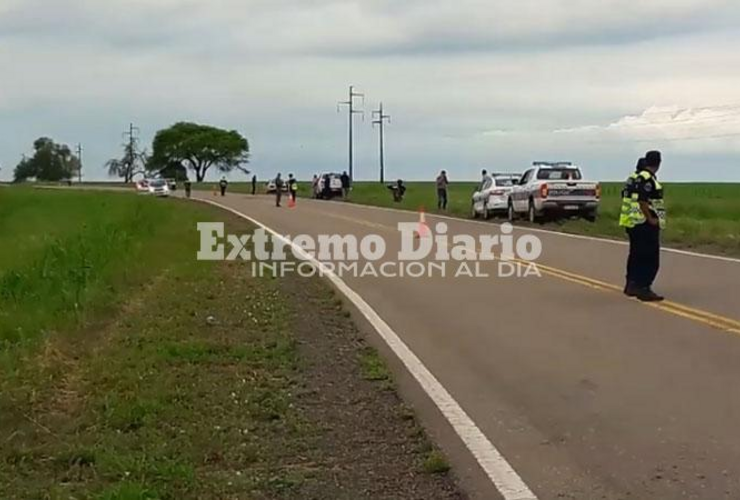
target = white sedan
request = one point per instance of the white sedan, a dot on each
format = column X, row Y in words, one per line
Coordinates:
column 159, row 187
column 495, row 199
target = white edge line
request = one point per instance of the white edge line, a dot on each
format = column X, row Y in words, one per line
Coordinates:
column 546, row 231
column 498, row 470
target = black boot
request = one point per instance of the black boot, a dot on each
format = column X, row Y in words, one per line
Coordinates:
column 647, row 295
column 631, row 290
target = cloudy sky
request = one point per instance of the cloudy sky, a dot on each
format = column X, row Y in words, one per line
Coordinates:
column 469, row 83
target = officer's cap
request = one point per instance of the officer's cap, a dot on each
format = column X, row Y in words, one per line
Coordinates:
column 653, row 159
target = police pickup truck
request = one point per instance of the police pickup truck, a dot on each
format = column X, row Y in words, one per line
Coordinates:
column 554, row 189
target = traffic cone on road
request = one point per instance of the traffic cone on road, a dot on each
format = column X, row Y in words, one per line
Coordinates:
column 291, row 202
column 423, row 230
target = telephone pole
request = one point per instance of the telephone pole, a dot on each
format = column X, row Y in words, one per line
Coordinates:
column 79, row 159
column 380, row 119
column 350, row 103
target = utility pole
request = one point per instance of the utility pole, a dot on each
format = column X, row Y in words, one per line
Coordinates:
column 380, row 119
column 79, row 159
column 350, row 103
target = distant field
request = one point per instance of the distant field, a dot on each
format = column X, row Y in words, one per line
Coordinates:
column 701, row 216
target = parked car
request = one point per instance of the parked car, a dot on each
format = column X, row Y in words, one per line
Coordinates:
column 171, row 184
column 335, row 186
column 494, row 200
column 159, row 187
column 554, row 189
column 270, row 187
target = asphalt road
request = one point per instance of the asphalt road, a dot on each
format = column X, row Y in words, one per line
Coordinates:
column 587, row 394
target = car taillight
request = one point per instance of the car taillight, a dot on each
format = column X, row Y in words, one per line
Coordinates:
column 598, row 190
column 498, row 192
column 544, row 191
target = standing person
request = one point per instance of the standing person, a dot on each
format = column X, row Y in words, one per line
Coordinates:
column 278, row 189
column 223, row 184
column 315, row 186
column 292, row 187
column 346, row 182
column 326, row 187
column 643, row 217
column 188, row 187
column 442, row 183
column 486, row 181
column 254, row 184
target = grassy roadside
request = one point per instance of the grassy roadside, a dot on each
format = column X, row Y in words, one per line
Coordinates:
column 205, row 382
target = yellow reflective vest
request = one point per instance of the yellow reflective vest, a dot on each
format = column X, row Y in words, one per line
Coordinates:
column 631, row 215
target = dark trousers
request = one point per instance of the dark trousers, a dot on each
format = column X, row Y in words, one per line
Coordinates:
column 442, row 199
column 278, row 197
column 254, row 188
column 644, row 257
column 293, row 195
column 223, row 190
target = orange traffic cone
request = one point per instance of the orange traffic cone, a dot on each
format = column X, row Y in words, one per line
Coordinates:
column 291, row 202
column 423, row 230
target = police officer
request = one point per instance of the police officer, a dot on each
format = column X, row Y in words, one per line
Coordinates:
column 643, row 216
column 292, row 187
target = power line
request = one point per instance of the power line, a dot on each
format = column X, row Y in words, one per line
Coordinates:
column 350, row 103
column 380, row 120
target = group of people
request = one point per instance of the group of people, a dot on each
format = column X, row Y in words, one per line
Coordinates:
column 643, row 214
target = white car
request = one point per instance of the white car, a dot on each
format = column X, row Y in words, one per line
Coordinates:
column 270, row 186
column 335, row 186
column 142, row 186
column 554, row 189
column 495, row 199
column 159, row 187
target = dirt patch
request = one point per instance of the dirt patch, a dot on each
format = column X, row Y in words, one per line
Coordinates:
column 370, row 445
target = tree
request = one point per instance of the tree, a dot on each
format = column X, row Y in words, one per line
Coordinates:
column 132, row 163
column 198, row 148
column 50, row 162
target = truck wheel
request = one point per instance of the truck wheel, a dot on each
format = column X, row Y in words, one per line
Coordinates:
column 590, row 216
column 532, row 213
column 511, row 213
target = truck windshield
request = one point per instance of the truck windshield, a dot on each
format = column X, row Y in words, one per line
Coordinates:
column 559, row 174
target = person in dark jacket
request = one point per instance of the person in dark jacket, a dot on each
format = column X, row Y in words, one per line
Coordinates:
column 223, row 184
column 346, row 184
column 254, row 184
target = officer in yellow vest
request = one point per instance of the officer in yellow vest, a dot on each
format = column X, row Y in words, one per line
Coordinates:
column 643, row 216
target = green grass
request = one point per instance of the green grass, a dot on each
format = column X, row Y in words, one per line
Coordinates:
column 114, row 384
column 701, row 216
column 67, row 256
column 159, row 377
column 436, row 463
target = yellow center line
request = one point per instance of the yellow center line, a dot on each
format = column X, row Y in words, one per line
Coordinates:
column 698, row 315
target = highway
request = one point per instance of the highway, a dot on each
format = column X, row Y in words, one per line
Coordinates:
column 584, row 393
